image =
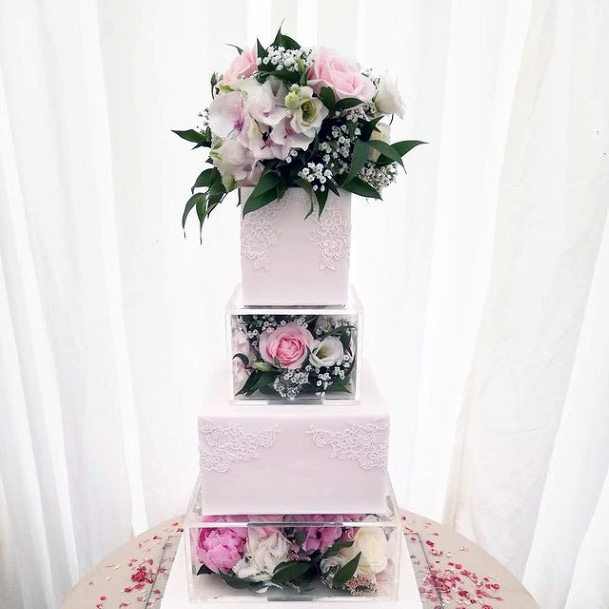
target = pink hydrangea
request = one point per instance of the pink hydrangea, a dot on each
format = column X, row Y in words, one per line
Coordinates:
column 322, row 538
column 222, row 548
column 288, row 345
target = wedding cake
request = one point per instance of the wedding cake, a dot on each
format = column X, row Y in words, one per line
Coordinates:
column 293, row 500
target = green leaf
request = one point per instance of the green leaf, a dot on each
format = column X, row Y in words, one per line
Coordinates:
column 243, row 358
column 205, row 178
column 287, row 572
column 358, row 187
column 370, row 126
column 331, row 184
column 322, row 197
column 190, row 135
column 361, row 152
column 250, row 384
column 235, row 582
column 345, row 573
column 239, row 49
column 387, row 150
column 300, row 537
column 402, row 148
column 256, row 202
column 346, row 103
column 262, row 366
column 327, row 97
column 335, row 548
column 203, row 570
column 260, row 50
column 189, row 205
column 264, row 192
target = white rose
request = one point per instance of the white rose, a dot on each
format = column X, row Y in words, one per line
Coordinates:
column 264, row 550
column 307, row 112
column 327, row 352
column 374, row 548
column 388, row 99
column 382, row 135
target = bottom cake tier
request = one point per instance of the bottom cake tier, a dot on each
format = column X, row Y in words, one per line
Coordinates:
column 306, row 557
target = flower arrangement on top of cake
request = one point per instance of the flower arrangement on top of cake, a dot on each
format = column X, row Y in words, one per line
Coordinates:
column 288, row 116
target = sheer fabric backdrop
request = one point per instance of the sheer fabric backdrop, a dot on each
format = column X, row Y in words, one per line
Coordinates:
column 484, row 273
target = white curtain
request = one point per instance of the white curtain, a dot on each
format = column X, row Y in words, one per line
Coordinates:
column 485, row 273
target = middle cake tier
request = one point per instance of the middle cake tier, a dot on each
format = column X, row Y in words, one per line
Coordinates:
column 287, row 458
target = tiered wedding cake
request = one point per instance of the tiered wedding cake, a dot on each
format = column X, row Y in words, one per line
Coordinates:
column 293, row 499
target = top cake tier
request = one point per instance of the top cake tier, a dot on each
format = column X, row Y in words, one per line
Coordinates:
column 288, row 260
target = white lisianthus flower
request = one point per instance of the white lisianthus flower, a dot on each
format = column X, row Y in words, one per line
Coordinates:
column 388, row 99
column 307, row 112
column 374, row 548
column 264, row 549
column 382, row 135
column 326, row 352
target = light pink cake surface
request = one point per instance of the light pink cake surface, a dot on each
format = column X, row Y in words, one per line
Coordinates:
column 287, row 260
column 296, row 458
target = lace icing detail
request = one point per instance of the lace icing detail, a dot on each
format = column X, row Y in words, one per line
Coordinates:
column 259, row 234
column 333, row 236
column 221, row 447
column 367, row 444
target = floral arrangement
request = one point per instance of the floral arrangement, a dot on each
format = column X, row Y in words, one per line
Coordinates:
column 288, row 116
column 355, row 560
column 293, row 355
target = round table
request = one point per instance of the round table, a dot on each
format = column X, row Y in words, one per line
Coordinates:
column 457, row 574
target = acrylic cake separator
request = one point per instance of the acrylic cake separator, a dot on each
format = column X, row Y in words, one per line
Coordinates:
column 321, row 320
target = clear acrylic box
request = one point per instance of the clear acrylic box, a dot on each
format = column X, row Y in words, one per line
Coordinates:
column 299, row 354
column 311, row 557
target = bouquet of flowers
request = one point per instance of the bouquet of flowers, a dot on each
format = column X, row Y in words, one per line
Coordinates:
column 288, row 116
column 289, row 355
column 355, row 560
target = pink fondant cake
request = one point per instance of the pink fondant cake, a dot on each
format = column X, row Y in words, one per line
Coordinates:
column 284, row 458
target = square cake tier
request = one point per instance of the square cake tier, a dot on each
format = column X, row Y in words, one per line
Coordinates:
column 286, row 458
column 290, row 256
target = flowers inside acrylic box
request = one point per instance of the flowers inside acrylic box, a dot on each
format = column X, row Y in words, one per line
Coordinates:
column 287, row 557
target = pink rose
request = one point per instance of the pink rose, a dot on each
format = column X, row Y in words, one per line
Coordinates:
column 287, row 344
column 242, row 66
column 220, row 549
column 342, row 75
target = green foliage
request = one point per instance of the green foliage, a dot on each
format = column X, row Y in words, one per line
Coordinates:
column 345, row 573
